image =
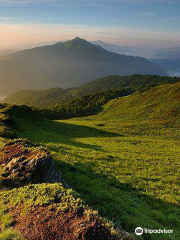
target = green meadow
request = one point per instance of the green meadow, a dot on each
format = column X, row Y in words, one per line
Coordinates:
column 127, row 170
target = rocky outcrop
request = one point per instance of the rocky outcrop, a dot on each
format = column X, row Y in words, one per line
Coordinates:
column 22, row 162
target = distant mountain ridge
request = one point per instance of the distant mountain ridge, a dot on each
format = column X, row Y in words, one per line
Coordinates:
column 56, row 96
column 67, row 64
column 114, row 48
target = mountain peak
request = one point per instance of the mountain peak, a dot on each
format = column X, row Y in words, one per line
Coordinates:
column 72, row 41
column 76, row 43
column 79, row 39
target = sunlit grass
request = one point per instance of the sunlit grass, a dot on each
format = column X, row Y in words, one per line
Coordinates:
column 129, row 171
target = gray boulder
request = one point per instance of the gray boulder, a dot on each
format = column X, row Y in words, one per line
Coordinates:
column 22, row 162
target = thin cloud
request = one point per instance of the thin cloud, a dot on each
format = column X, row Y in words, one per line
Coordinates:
column 6, row 19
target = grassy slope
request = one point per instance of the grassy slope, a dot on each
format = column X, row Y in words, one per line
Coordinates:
column 56, row 96
column 127, row 170
column 159, row 103
column 49, row 196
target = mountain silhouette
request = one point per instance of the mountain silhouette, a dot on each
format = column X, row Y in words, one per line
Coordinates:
column 67, row 64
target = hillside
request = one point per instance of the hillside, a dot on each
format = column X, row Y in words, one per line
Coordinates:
column 56, row 96
column 135, row 82
column 81, row 106
column 159, row 103
column 127, row 170
column 67, row 64
column 35, row 201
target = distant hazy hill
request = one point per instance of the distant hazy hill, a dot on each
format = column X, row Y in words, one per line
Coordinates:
column 67, row 64
column 5, row 53
column 55, row 96
column 169, row 59
column 41, row 98
column 171, row 65
column 158, row 103
column 127, row 50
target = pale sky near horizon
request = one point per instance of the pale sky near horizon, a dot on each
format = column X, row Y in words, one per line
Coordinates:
column 153, row 23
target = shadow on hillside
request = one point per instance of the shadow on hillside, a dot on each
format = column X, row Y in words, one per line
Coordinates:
column 71, row 131
column 60, row 132
column 81, row 131
column 119, row 202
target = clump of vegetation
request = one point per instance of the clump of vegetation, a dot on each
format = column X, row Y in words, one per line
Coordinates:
column 10, row 234
column 42, row 195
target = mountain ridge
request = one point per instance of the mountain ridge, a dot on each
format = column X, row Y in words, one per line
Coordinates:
column 67, row 64
column 56, row 96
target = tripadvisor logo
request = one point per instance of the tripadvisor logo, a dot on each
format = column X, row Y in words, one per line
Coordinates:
column 138, row 231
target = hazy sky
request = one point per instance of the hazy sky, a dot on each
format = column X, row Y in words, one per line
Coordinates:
column 127, row 22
